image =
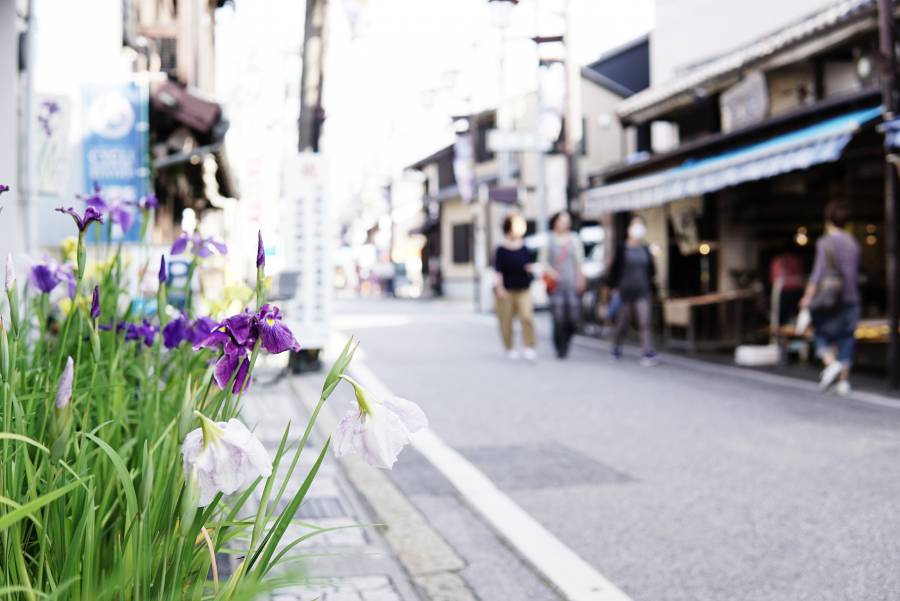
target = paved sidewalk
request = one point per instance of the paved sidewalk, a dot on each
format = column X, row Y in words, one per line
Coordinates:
column 353, row 564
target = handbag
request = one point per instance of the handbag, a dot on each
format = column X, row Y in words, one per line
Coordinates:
column 830, row 289
column 549, row 280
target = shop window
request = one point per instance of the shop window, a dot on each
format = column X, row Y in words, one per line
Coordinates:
column 462, row 243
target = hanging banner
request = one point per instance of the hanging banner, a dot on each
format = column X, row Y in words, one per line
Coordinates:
column 115, row 145
column 51, row 143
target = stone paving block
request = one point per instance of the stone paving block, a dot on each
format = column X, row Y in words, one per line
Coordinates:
column 444, row 586
column 364, row 588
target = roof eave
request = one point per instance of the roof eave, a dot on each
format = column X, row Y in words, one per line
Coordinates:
column 642, row 106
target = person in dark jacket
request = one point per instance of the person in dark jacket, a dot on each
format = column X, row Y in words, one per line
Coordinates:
column 631, row 277
column 513, row 263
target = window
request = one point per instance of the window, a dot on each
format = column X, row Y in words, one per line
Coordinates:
column 462, row 243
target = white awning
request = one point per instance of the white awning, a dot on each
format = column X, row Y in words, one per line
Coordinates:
column 820, row 143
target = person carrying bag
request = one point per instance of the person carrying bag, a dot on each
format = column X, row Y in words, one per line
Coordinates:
column 562, row 275
column 832, row 297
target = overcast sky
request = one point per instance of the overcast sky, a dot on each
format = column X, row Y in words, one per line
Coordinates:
column 396, row 70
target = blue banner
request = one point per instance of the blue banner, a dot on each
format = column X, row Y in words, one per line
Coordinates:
column 115, row 147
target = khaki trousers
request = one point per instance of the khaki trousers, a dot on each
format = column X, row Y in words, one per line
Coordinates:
column 516, row 303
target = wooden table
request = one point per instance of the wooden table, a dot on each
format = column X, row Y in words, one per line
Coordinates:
column 722, row 311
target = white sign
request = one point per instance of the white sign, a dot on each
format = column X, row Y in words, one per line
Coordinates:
column 744, row 103
column 51, row 143
column 307, row 236
column 517, row 140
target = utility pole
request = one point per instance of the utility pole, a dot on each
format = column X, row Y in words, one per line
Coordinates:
column 311, row 77
column 887, row 48
column 573, row 128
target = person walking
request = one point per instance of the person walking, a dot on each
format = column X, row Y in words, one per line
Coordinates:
column 631, row 277
column 562, row 258
column 513, row 263
column 832, row 296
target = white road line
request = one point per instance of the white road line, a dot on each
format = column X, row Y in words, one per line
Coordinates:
column 573, row 577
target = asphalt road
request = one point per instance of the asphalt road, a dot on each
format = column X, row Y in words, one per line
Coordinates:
column 677, row 484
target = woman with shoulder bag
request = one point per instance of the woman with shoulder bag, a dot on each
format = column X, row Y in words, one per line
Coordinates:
column 562, row 258
column 832, row 296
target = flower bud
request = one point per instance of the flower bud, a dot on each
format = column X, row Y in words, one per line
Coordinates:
column 61, row 419
column 64, row 389
column 95, row 303
column 260, row 251
column 162, row 270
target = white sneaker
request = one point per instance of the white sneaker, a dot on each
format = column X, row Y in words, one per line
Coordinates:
column 830, row 374
column 530, row 354
column 512, row 354
column 650, row 360
column 843, row 388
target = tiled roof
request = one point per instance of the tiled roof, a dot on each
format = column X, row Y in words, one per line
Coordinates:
column 749, row 55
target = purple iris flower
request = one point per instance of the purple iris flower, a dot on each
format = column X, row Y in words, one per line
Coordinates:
column 108, row 327
column 148, row 202
column 4, row 188
column 47, row 275
column 43, row 277
column 236, row 337
column 90, row 214
column 117, row 209
column 260, row 252
column 274, row 335
column 95, row 303
column 181, row 329
column 201, row 329
column 175, row 332
column 200, row 247
column 66, row 274
column 145, row 331
column 162, row 270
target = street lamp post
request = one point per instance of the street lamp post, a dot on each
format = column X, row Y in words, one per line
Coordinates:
column 501, row 18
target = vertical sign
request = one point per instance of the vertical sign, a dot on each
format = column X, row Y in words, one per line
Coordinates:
column 308, row 238
column 51, row 143
column 115, row 146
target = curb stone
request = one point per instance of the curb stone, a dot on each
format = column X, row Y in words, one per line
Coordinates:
column 424, row 554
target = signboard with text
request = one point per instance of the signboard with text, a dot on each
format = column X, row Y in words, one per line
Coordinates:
column 115, row 144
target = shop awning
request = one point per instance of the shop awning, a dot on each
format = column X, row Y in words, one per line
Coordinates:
column 800, row 149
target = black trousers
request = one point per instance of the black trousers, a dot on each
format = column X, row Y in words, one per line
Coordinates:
column 565, row 309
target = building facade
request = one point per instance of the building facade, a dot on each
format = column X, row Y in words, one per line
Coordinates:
column 746, row 148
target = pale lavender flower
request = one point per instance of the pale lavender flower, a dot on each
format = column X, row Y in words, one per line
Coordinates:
column 200, row 247
column 377, row 430
column 223, row 457
column 116, row 209
column 64, row 389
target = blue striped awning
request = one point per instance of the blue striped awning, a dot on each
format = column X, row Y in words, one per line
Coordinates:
column 820, row 143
